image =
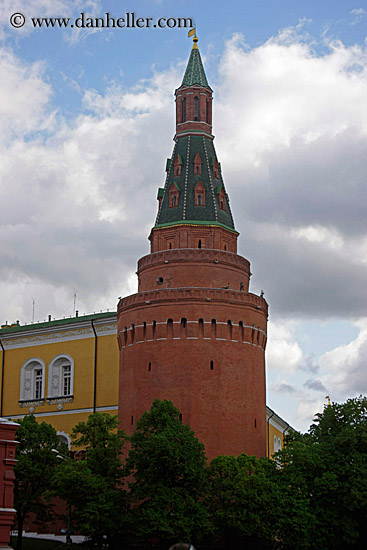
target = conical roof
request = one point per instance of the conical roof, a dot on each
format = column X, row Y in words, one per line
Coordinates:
column 195, row 73
column 184, row 184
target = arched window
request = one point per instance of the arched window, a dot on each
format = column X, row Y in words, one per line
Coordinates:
column 61, row 376
column 170, row 328
column 154, row 328
column 201, row 328
column 214, row 329
column 183, row 328
column 64, row 438
column 199, row 243
column 125, row 336
column 196, row 108
column 275, row 444
column 230, row 329
column 279, row 444
column 207, row 111
column 32, row 380
column 184, row 109
column 242, row 331
column 132, row 329
column 144, row 330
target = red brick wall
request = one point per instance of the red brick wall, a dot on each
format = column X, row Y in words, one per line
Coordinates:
column 224, row 405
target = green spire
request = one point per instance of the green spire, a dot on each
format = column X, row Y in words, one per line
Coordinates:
column 195, row 73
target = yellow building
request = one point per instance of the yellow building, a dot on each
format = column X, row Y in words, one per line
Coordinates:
column 61, row 371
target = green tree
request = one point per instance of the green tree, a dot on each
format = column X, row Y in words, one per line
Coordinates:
column 93, row 485
column 244, row 501
column 169, row 467
column 328, row 467
column 34, row 470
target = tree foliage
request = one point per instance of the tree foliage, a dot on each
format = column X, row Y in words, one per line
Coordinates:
column 93, row 485
column 244, row 500
column 169, row 467
column 327, row 468
column 36, row 456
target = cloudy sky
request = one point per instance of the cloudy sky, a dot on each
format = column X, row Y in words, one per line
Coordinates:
column 86, row 125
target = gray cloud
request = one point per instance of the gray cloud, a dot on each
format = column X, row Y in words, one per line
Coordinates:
column 315, row 385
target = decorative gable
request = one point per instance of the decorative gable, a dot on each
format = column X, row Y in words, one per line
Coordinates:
column 222, row 200
column 215, row 167
column 178, row 165
column 197, row 165
column 199, row 194
column 174, row 194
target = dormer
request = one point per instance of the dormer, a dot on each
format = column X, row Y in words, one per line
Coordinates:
column 199, row 194
column 174, row 194
column 215, row 167
column 178, row 166
column 221, row 197
column 197, row 165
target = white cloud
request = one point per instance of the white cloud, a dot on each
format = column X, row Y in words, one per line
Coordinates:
column 345, row 368
column 283, row 353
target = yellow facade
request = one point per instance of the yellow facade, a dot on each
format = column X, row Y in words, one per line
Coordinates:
column 276, row 428
column 60, row 371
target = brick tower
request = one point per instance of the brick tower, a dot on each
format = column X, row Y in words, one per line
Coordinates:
column 194, row 333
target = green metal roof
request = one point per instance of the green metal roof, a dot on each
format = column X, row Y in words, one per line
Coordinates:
column 195, row 73
column 21, row 328
column 186, row 210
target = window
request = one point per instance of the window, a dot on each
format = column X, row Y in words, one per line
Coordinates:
column 184, row 109
column 197, row 164
column 61, row 376
column 38, row 383
column 196, row 108
column 32, row 380
column 66, row 376
column 199, row 194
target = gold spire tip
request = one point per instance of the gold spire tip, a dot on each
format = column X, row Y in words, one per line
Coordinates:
column 195, row 38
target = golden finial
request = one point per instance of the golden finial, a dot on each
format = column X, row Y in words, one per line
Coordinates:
column 195, row 39
column 328, row 400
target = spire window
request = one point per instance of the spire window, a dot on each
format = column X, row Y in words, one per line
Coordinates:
column 173, row 195
column 178, row 166
column 197, row 165
column 222, row 200
column 199, row 194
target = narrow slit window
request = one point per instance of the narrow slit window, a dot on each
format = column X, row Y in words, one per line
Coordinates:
column 201, row 328
column 199, row 243
column 196, row 108
column 214, row 329
column 211, row 365
column 230, row 330
column 154, row 326
column 132, row 420
column 149, row 366
column 184, row 109
column 183, row 328
column 170, row 328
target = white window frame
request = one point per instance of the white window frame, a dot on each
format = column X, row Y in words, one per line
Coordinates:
column 56, row 376
column 27, row 379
